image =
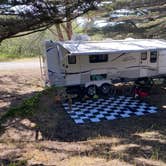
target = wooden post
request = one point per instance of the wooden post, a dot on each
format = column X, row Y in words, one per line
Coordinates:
column 70, row 102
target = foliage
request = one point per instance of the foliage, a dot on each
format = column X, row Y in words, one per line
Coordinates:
column 25, row 109
column 14, row 163
column 25, row 46
column 30, row 105
column 18, row 163
column 43, row 15
column 118, row 4
column 145, row 27
column 30, row 45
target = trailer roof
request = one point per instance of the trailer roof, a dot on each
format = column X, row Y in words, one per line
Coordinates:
column 112, row 46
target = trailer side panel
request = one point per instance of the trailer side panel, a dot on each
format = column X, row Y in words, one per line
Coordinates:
column 162, row 62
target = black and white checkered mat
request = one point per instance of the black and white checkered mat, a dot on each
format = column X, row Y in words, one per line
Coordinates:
column 107, row 109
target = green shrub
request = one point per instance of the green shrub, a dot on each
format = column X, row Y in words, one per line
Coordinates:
column 27, row 108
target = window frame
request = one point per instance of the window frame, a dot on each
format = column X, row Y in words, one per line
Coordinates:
column 98, row 77
column 70, row 59
column 144, row 54
column 97, row 58
column 153, row 59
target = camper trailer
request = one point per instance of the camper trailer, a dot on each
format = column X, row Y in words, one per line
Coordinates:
column 94, row 65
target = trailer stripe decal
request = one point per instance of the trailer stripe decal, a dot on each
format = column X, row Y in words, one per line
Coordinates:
column 145, row 67
column 90, row 70
column 49, row 49
column 118, row 56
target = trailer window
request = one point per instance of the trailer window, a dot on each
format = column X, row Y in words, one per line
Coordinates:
column 98, row 58
column 143, row 56
column 153, row 56
column 97, row 77
column 71, row 59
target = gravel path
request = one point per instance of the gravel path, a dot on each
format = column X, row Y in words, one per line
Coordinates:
column 20, row 65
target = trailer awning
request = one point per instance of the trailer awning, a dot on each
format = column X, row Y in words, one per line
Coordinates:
column 112, row 46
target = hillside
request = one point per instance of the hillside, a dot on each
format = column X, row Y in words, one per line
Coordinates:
column 142, row 19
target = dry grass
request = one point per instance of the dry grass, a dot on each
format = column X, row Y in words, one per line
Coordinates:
column 91, row 161
column 133, row 141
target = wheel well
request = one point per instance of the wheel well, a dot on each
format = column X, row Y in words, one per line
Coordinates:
column 91, row 85
column 98, row 83
column 106, row 83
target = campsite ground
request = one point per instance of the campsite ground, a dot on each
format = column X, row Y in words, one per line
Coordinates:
column 49, row 137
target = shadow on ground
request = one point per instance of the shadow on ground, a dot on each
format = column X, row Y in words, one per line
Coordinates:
column 137, row 136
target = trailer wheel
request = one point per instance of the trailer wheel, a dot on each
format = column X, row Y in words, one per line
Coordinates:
column 105, row 88
column 91, row 90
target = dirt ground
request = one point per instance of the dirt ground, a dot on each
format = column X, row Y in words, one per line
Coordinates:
column 51, row 138
column 15, row 85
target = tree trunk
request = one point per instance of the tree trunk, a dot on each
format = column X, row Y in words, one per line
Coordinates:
column 59, row 31
column 69, row 30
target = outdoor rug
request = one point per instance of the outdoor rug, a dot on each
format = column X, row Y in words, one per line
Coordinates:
column 107, row 109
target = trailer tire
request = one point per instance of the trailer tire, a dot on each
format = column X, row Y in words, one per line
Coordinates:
column 91, row 90
column 105, row 88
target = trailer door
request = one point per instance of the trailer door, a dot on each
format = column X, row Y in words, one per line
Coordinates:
column 72, row 70
column 153, row 63
column 143, row 64
column 162, row 62
column 149, row 63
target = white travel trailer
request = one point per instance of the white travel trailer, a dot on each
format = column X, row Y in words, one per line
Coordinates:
column 94, row 65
